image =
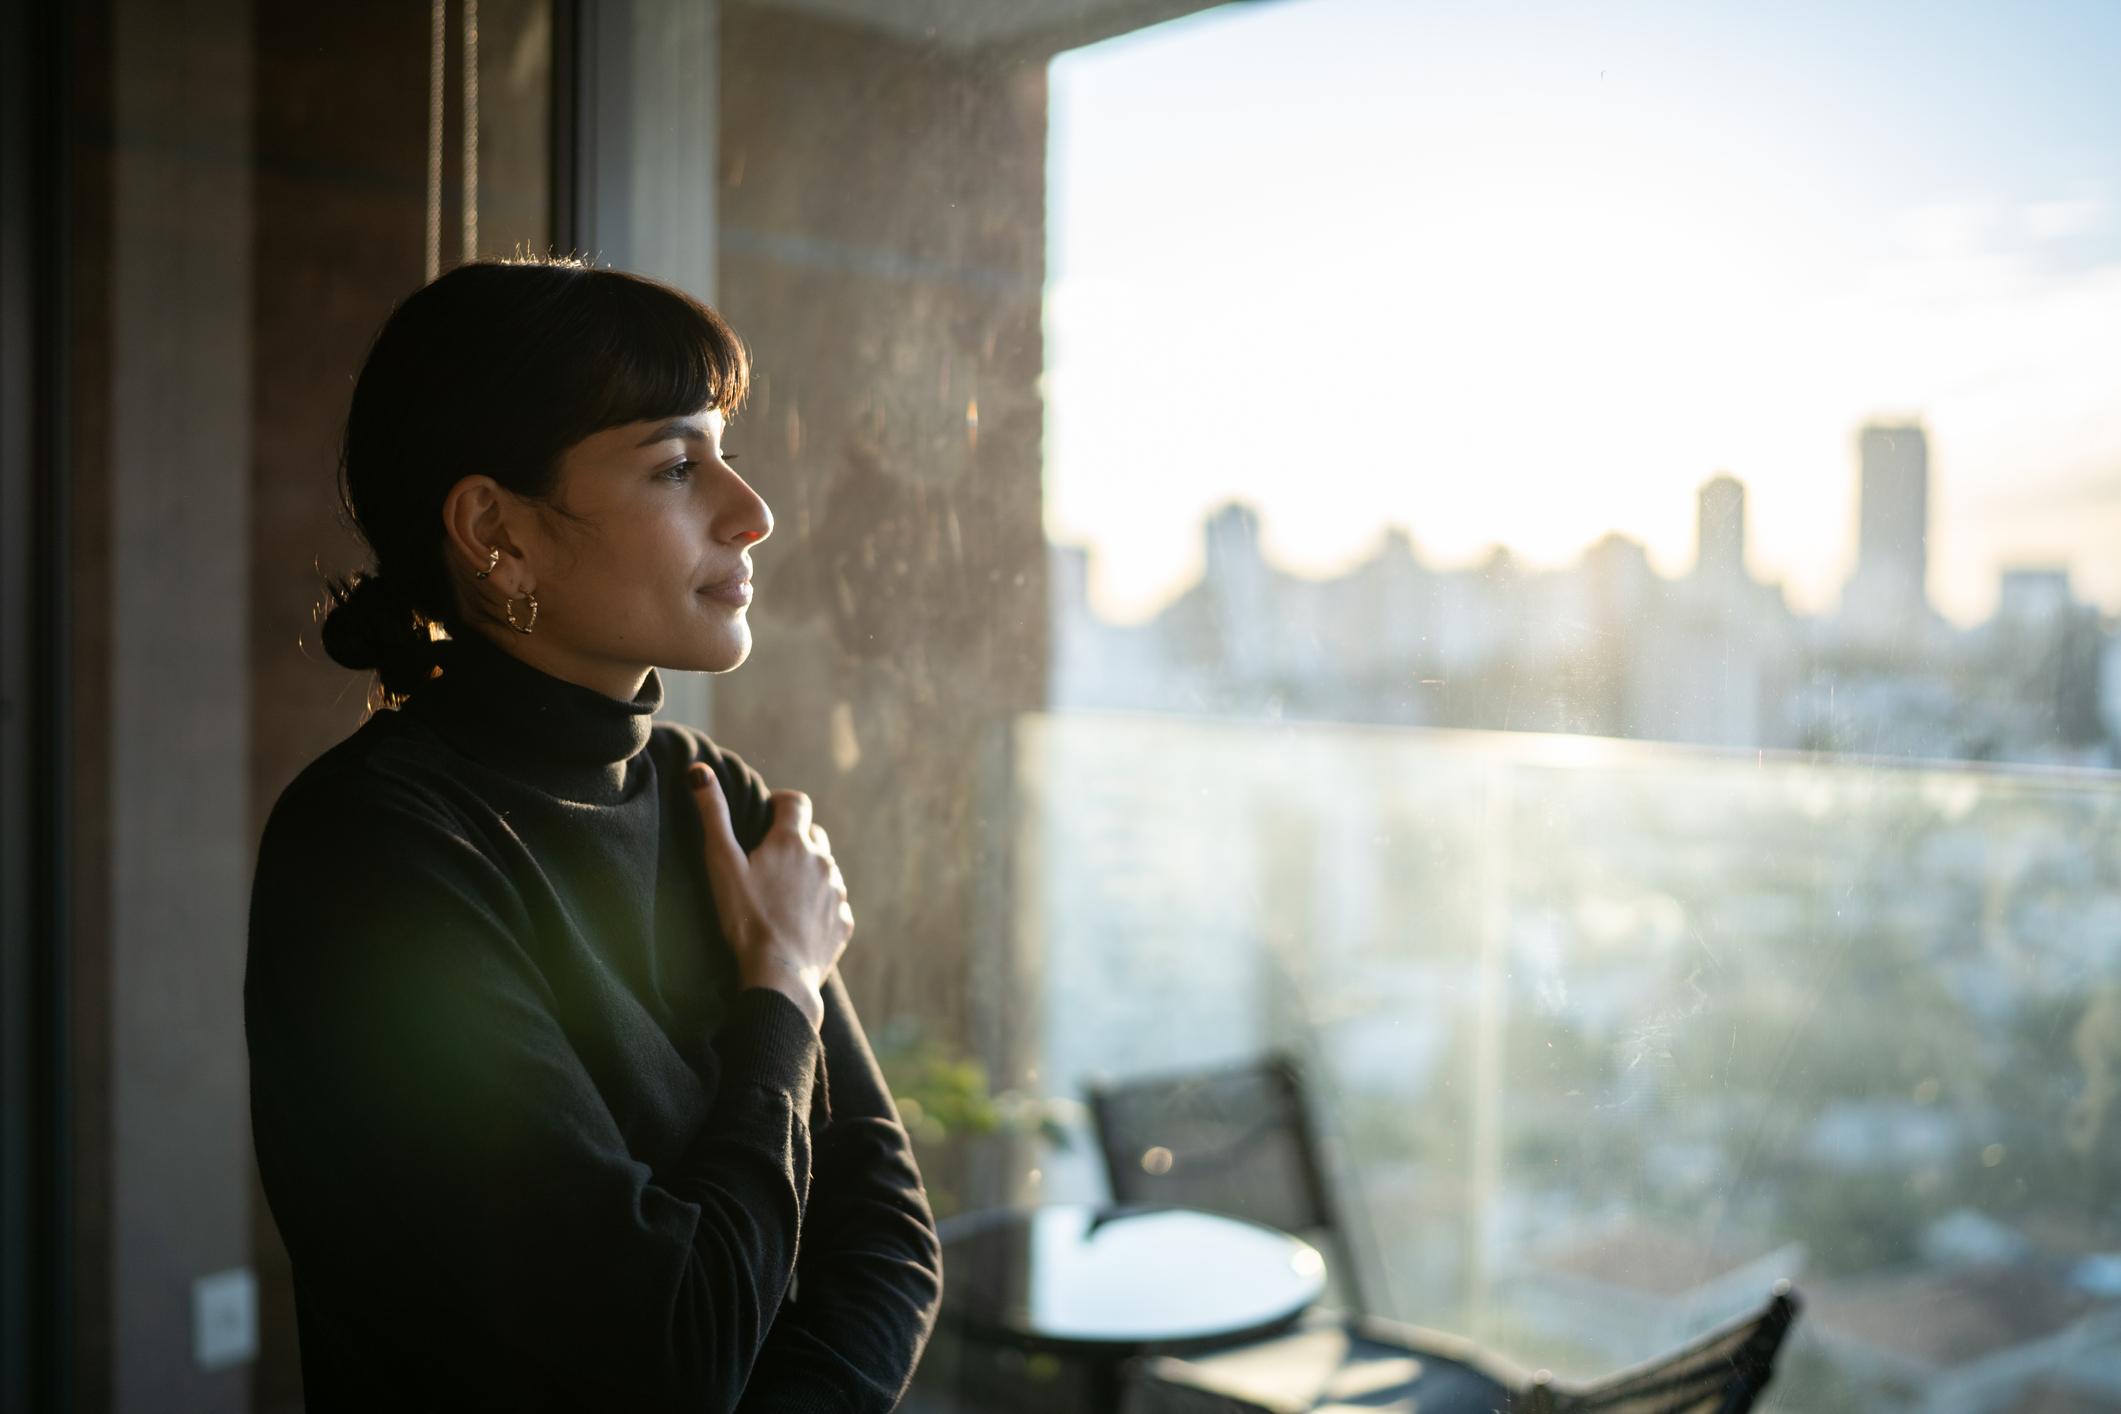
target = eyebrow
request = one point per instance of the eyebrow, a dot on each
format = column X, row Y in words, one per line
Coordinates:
column 676, row 427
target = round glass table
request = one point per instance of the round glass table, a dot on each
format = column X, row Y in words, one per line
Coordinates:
column 1118, row 1281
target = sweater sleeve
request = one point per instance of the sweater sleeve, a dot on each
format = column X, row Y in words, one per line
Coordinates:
column 871, row 1269
column 427, row 1110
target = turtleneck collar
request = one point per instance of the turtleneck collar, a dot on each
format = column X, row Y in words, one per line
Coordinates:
column 566, row 738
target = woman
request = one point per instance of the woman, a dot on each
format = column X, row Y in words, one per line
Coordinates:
column 559, row 1101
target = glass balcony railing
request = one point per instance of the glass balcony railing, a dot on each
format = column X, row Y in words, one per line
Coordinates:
column 1608, row 1036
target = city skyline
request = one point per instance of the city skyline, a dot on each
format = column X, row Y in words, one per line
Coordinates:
column 1528, row 279
column 1898, row 489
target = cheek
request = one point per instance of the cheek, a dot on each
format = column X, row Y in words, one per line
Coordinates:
column 633, row 562
column 652, row 543
column 663, row 553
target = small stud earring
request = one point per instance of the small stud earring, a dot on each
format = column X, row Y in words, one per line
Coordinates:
column 493, row 557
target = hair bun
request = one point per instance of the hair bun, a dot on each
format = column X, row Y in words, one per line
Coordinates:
column 368, row 624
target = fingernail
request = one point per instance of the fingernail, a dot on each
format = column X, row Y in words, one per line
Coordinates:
column 697, row 774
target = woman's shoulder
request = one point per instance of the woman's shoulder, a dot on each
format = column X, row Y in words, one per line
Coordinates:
column 391, row 766
column 386, row 815
column 378, row 855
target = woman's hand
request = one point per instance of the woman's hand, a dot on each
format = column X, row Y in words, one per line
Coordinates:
column 783, row 907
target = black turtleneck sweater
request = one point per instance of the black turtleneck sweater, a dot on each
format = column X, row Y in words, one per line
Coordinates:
column 529, row 1143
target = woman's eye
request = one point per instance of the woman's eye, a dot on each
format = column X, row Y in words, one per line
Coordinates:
column 681, row 471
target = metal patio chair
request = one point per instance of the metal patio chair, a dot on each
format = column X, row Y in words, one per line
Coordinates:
column 1239, row 1140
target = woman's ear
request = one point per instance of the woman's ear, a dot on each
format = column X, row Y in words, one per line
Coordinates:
column 475, row 524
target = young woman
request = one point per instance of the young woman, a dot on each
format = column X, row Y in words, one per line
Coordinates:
column 559, row 1101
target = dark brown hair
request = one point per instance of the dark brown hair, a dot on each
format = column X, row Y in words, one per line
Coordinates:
column 497, row 367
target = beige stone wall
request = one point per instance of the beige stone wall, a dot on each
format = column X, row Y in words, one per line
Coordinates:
column 882, row 243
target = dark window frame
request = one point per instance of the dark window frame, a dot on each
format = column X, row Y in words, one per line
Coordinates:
column 36, row 1219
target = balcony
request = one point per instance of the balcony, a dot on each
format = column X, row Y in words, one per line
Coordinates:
column 1610, row 1035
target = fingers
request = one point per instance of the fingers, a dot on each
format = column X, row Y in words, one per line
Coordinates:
column 837, row 883
column 791, row 810
column 725, row 857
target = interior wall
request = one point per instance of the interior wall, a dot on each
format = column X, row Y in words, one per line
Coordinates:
column 882, row 231
column 170, row 522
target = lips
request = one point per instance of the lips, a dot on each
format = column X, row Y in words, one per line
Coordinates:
column 734, row 590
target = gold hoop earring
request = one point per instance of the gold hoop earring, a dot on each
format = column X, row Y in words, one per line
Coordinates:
column 493, row 558
column 508, row 606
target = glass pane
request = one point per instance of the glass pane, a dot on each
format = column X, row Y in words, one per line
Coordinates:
column 515, row 107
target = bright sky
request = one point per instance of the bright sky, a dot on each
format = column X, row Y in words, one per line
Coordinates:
column 1527, row 273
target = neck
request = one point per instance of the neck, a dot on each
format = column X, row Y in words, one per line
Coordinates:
column 613, row 679
column 572, row 739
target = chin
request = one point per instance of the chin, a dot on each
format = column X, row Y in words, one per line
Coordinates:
column 721, row 656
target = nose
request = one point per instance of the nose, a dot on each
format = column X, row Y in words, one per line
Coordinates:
column 747, row 519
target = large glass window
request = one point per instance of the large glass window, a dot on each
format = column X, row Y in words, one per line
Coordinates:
column 1583, row 596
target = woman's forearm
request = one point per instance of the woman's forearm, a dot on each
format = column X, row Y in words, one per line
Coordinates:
column 870, row 1271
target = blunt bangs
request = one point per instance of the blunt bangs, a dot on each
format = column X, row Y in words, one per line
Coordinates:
column 650, row 351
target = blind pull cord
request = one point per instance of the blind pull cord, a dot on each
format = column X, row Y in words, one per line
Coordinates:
column 436, row 56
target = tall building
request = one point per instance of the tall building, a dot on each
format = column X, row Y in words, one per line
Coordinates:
column 2027, row 596
column 1719, row 543
column 1230, row 541
column 1892, row 551
column 1230, row 618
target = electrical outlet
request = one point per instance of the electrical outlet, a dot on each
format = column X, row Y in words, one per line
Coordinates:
column 224, row 1319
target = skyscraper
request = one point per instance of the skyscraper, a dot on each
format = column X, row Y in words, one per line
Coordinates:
column 1719, row 544
column 1892, row 554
